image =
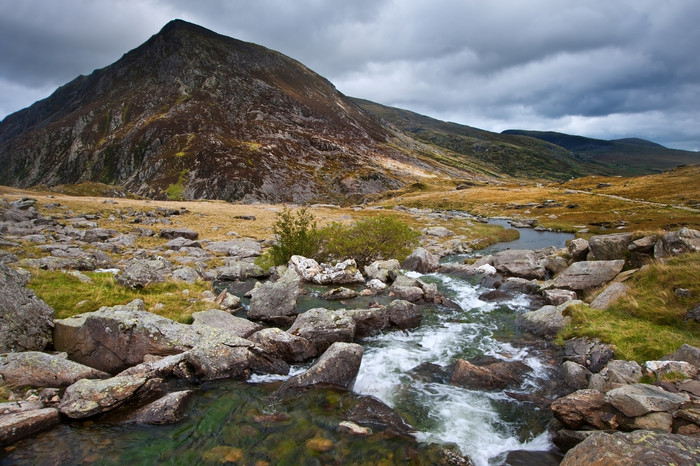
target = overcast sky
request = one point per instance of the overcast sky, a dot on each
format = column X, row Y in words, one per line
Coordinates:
column 599, row 68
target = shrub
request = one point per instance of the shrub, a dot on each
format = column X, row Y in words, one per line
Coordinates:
column 376, row 238
column 296, row 234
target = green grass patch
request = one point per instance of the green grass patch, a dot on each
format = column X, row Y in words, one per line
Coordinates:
column 69, row 296
column 649, row 322
column 4, row 393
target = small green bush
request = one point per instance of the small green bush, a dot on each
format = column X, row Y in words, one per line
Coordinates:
column 296, row 234
column 376, row 238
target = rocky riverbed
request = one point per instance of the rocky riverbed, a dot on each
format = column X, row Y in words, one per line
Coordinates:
column 123, row 364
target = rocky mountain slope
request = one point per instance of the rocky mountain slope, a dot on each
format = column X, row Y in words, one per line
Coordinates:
column 193, row 114
column 631, row 156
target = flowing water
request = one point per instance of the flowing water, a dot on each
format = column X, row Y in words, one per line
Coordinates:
column 239, row 422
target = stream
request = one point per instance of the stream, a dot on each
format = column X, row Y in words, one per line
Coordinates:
column 239, row 422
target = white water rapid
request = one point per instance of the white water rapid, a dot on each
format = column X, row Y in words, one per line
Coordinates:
column 444, row 413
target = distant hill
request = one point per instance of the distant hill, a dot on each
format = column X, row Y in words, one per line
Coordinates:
column 194, row 114
column 505, row 154
column 631, row 156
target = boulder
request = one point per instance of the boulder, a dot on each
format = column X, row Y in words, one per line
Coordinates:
column 677, row 242
column 339, row 294
column 693, row 314
column 609, row 247
column 114, row 338
column 324, row 327
column 558, row 296
column 369, row 322
column 685, row 353
column 517, row 285
column 342, row 273
column 616, row 373
column 575, row 375
column 652, row 421
column 238, row 271
column 585, row 409
column 440, row 232
column 384, row 271
column 139, row 273
column 186, row 274
column 158, row 367
column 228, row 301
column 181, row 242
column 87, row 397
column 337, row 367
column 519, row 263
column 276, row 302
column 288, row 347
column 26, row 322
column 224, row 321
column 591, row 353
column 370, row 412
column 639, row 399
column 168, row 409
column 403, row 314
column 633, row 448
column 612, row 293
column 16, row 426
column 233, row 358
column 546, row 321
column 172, row 233
column 240, row 248
column 491, row 375
column 421, row 261
column 585, row 276
column 660, row 370
column 36, row 369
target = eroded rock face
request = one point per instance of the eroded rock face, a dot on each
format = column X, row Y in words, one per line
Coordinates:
column 26, row 322
column 338, row 366
column 323, row 327
column 634, row 448
column 276, row 302
column 87, row 398
column 114, row 338
column 36, row 369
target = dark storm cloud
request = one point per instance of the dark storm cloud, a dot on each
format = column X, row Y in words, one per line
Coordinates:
column 613, row 68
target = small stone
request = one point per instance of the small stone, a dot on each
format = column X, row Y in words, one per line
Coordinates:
column 349, row 427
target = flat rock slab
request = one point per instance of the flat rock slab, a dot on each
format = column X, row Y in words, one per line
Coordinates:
column 611, row 294
column 36, row 369
column 634, row 448
column 16, row 426
column 87, row 398
column 224, row 321
column 585, row 276
column 639, row 399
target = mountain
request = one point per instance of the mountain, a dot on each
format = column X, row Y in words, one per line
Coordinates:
column 193, row 114
column 631, row 156
column 493, row 153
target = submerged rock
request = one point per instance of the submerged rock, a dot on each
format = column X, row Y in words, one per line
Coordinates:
column 169, row 409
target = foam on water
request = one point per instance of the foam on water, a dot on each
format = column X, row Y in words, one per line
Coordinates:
column 467, row 418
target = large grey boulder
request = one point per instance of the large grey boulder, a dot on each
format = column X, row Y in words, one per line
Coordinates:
column 226, row 322
column 37, row 369
column 385, row 271
column 577, row 249
column 677, row 242
column 609, row 247
column 342, row 273
column 370, row 321
column 284, row 345
column 139, row 273
column 16, row 426
column 241, row 248
column 276, row 302
column 87, row 397
column 337, row 367
column 26, row 322
column 685, row 353
column 114, row 338
column 585, row 276
column 159, row 367
column 645, row 447
column 324, row 327
column 403, row 314
column 610, row 295
column 546, row 321
column 639, row 399
column 519, row 263
column 172, row 233
column 575, row 375
column 168, row 409
column 239, row 270
column 422, row 261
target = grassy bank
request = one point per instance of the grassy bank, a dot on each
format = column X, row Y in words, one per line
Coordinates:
column 649, row 322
